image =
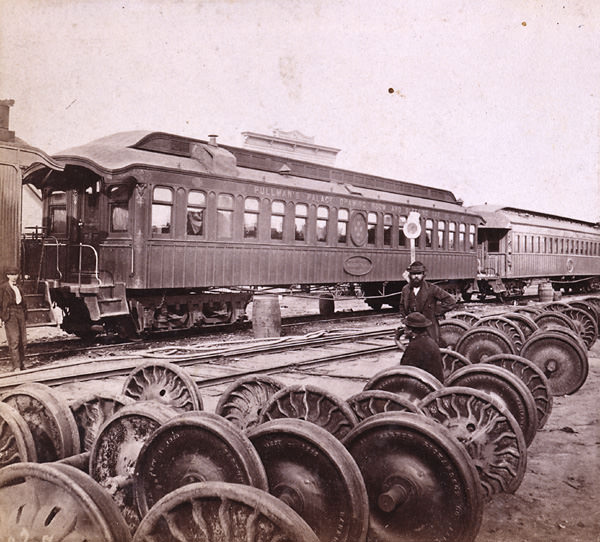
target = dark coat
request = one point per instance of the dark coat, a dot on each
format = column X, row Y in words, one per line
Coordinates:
column 431, row 301
column 8, row 299
column 424, row 353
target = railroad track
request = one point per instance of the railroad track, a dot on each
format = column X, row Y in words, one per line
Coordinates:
column 106, row 367
column 41, row 352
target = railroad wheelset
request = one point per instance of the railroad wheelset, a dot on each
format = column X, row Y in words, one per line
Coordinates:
column 163, row 382
column 408, row 382
column 560, row 356
column 420, row 481
column 584, row 320
column 451, row 330
column 481, row 342
column 533, row 378
column 524, row 320
column 194, row 447
column 51, row 501
column 313, row 404
column 311, row 471
column 222, row 511
column 49, row 419
column 241, row 402
column 92, row 411
column 115, row 452
column 488, row 431
column 466, row 316
column 452, row 361
column 16, row 439
column 509, row 327
column 503, row 385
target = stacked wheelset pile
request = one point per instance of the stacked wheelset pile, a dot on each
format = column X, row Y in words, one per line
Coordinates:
column 155, row 466
column 282, row 463
column 272, row 463
column 556, row 337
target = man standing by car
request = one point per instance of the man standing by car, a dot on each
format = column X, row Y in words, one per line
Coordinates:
column 13, row 313
column 428, row 299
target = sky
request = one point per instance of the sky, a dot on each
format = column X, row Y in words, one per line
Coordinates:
column 498, row 102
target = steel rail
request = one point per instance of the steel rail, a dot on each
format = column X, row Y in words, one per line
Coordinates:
column 98, row 368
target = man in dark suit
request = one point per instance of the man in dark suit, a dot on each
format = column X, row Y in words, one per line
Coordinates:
column 428, row 299
column 422, row 351
column 13, row 313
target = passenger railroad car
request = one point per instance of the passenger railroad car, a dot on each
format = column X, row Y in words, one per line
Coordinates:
column 518, row 246
column 148, row 230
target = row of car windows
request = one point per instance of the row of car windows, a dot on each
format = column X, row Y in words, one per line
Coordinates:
column 437, row 234
column 539, row 244
column 327, row 224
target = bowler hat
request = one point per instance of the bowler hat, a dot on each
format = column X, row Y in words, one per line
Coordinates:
column 416, row 267
column 12, row 270
column 417, row 320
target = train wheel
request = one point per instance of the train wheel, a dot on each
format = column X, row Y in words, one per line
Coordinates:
column 117, row 447
column 481, row 342
column 553, row 318
column 194, row 447
column 163, row 382
column 56, row 502
column 313, row 473
column 568, row 332
column 421, row 483
column 241, row 402
column 585, row 325
column 489, row 432
column 525, row 322
column 409, row 382
column 49, row 419
column 561, row 358
column 594, row 302
column 508, row 327
column 371, row 402
column 212, row 508
column 452, row 361
column 467, row 317
column 312, row 404
column 505, row 386
column 451, row 331
column 532, row 311
column 16, row 439
column 533, row 378
column 92, row 411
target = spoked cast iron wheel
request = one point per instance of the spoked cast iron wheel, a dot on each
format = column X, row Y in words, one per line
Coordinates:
column 56, row 502
column 489, row 432
column 222, row 512
column 163, row 382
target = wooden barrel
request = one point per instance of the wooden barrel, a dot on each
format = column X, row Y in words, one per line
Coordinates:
column 266, row 316
column 545, row 292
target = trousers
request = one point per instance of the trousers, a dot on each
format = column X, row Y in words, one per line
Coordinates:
column 16, row 337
